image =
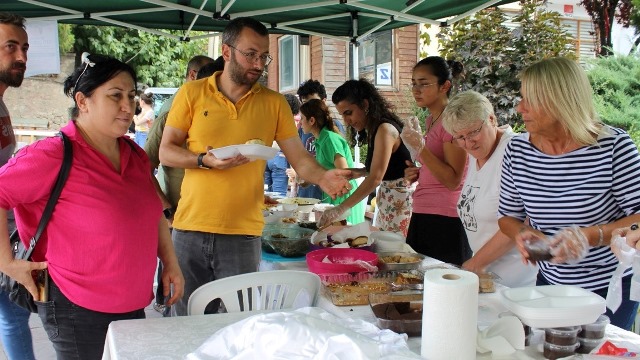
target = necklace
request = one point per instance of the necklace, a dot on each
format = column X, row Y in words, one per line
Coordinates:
column 433, row 122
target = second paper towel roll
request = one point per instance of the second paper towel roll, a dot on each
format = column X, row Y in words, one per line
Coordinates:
column 449, row 314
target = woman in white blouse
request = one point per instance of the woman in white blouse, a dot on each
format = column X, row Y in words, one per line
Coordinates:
column 469, row 117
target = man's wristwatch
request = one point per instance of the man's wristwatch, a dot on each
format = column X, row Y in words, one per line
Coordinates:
column 201, row 164
column 169, row 212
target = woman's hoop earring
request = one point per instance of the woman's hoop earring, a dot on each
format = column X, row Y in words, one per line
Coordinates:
column 366, row 111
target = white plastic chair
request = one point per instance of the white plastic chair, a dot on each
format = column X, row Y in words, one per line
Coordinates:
column 269, row 290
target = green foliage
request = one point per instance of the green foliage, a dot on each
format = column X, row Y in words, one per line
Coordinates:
column 65, row 38
column 493, row 54
column 616, row 85
column 159, row 61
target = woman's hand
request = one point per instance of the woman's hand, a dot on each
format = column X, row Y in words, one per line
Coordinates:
column 527, row 235
column 172, row 283
column 330, row 215
column 631, row 235
column 22, row 272
column 411, row 172
column 569, row 245
column 412, row 138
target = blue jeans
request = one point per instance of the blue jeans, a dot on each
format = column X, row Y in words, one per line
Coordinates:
column 626, row 313
column 275, row 174
column 77, row 332
column 204, row 257
column 140, row 138
column 14, row 329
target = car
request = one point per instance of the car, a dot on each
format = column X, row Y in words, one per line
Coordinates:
column 160, row 95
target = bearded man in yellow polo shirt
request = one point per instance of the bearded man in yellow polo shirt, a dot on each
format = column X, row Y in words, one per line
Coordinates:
column 219, row 221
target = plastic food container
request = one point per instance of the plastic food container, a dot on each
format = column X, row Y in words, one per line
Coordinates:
column 288, row 241
column 595, row 330
column 553, row 305
column 554, row 352
column 388, row 241
column 562, row 336
column 587, row 345
column 268, row 228
column 400, row 312
column 354, row 288
column 340, row 260
column 538, row 250
column 399, row 260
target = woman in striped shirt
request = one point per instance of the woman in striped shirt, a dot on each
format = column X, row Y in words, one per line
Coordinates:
column 570, row 180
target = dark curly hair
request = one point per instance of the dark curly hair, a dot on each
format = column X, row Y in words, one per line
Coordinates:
column 380, row 110
column 294, row 103
column 442, row 69
column 312, row 87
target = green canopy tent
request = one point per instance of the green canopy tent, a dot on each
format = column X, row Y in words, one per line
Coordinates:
column 348, row 20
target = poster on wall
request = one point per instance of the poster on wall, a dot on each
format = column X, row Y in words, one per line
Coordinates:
column 383, row 74
column 44, row 54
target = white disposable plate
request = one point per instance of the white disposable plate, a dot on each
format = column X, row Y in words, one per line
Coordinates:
column 304, row 204
column 252, row 151
column 554, row 305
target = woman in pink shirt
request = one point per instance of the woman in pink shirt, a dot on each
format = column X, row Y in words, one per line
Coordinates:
column 107, row 228
column 435, row 229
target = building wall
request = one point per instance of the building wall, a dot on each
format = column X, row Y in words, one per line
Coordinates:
column 329, row 64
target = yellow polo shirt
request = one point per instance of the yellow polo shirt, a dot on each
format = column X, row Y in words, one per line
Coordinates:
column 226, row 201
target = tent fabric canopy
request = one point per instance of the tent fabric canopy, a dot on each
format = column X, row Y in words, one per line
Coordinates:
column 342, row 19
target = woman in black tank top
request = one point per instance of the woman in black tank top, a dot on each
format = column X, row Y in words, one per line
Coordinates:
column 371, row 118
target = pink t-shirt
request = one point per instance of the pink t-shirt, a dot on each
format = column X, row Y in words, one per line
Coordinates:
column 102, row 239
column 431, row 197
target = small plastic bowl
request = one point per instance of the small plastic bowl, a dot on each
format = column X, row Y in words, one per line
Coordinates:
column 399, row 260
column 594, row 330
column 563, row 336
column 554, row 352
column 538, row 250
column 336, row 256
column 587, row 345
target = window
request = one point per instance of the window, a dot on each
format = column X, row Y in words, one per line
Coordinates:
column 374, row 59
column 288, row 62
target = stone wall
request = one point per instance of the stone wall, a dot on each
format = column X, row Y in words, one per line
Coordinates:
column 41, row 97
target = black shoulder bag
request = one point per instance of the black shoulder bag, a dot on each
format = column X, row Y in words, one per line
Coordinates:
column 17, row 292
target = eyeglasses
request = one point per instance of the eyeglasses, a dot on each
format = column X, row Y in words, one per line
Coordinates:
column 415, row 87
column 472, row 135
column 253, row 56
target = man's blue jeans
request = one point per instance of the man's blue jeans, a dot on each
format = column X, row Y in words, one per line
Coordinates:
column 204, row 257
column 14, row 329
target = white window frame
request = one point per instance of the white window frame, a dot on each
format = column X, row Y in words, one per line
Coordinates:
column 389, row 69
column 292, row 84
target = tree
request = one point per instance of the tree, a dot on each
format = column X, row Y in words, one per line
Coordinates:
column 158, row 61
column 493, row 54
column 603, row 13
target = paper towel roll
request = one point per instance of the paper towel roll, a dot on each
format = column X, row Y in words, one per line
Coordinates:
column 449, row 314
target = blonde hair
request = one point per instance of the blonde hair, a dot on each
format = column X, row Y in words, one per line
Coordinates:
column 464, row 110
column 560, row 88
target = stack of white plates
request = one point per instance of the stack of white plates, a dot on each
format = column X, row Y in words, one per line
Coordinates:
column 554, row 305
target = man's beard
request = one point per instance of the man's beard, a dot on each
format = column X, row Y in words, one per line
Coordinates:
column 12, row 79
column 237, row 73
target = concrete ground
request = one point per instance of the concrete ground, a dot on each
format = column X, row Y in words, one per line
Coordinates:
column 41, row 344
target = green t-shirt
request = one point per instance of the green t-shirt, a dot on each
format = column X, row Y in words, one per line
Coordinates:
column 328, row 145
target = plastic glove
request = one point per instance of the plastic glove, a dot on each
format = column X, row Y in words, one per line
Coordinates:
column 625, row 254
column 569, row 245
column 330, row 215
column 412, row 138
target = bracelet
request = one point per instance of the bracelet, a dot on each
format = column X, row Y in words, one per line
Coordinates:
column 601, row 240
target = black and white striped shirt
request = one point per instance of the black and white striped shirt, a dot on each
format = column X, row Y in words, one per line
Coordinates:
column 589, row 186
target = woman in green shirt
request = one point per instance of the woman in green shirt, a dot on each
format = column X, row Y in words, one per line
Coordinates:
column 332, row 150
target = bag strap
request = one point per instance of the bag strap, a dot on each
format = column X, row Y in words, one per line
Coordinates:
column 55, row 194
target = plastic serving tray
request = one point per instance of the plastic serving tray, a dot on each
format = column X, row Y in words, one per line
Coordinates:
column 554, row 305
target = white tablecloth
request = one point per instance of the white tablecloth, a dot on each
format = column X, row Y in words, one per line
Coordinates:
column 175, row 337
